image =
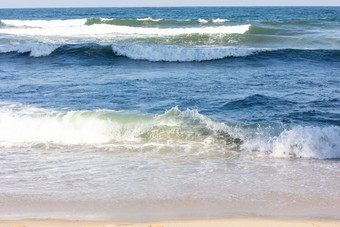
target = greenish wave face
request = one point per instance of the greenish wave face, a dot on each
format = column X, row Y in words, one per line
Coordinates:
column 176, row 130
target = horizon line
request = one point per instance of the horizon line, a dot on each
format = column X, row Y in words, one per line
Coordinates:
column 62, row 7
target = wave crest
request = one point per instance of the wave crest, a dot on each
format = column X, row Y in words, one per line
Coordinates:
column 135, row 52
column 23, row 126
column 104, row 27
column 35, row 49
column 178, row 54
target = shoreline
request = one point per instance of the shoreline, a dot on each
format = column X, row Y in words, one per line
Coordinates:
column 237, row 222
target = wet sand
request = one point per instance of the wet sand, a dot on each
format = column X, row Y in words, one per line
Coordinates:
column 244, row 222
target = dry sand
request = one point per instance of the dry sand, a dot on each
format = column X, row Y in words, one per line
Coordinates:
column 198, row 223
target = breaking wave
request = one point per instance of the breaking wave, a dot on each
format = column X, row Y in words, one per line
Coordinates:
column 80, row 27
column 160, row 52
column 299, row 142
column 35, row 49
column 173, row 54
column 25, row 126
column 135, row 52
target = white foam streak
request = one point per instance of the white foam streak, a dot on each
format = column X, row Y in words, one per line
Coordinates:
column 35, row 49
column 44, row 23
column 173, row 54
column 148, row 19
column 218, row 20
column 203, row 21
column 77, row 28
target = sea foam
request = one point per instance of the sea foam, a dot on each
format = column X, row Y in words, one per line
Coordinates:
column 35, row 49
column 179, row 54
column 298, row 142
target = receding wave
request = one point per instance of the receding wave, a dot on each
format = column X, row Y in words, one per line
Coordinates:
column 25, row 126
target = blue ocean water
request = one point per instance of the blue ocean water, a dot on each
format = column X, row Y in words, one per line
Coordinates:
column 230, row 107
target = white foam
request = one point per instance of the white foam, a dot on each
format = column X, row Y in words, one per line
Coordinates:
column 35, row 49
column 78, row 28
column 149, row 19
column 299, row 142
column 218, row 20
column 44, row 23
column 172, row 54
column 25, row 126
column 203, row 21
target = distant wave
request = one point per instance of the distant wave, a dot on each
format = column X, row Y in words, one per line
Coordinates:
column 139, row 22
column 217, row 20
column 79, row 27
column 173, row 54
column 44, row 23
column 135, row 52
column 26, row 126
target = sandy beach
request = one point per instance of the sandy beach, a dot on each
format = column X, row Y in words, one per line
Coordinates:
column 197, row 223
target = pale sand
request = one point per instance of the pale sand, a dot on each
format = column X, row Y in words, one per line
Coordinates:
column 199, row 223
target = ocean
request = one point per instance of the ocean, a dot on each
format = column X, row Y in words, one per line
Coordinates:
column 170, row 113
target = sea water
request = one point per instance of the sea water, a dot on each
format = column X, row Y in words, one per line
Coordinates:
column 170, row 113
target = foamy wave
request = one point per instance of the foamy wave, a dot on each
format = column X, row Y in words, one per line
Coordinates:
column 25, row 126
column 173, row 54
column 35, row 49
column 299, row 142
column 78, row 27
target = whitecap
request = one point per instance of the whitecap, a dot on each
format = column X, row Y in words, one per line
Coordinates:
column 180, row 54
column 35, row 49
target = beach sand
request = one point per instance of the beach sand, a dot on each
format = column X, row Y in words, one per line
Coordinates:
column 244, row 222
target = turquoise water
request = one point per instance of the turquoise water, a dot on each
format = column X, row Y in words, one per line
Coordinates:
column 172, row 109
